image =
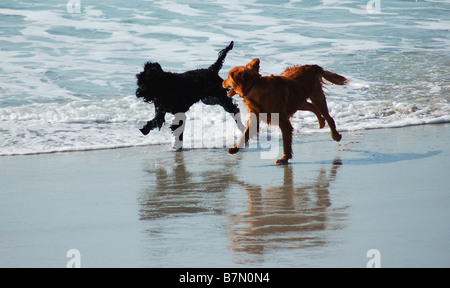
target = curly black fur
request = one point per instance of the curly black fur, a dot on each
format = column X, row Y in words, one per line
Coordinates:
column 177, row 92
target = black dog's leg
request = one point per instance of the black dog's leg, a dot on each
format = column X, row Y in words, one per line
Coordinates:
column 158, row 121
column 177, row 129
column 228, row 105
column 232, row 108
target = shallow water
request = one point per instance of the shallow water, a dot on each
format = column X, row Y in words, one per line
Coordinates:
column 68, row 78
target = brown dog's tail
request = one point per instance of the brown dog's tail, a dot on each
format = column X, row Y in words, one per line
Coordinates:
column 330, row 76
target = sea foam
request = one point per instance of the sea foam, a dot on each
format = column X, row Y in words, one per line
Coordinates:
column 68, row 79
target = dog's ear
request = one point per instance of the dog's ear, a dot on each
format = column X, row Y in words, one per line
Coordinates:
column 254, row 65
column 153, row 67
column 238, row 76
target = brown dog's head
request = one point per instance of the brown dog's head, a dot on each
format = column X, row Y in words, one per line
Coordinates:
column 241, row 78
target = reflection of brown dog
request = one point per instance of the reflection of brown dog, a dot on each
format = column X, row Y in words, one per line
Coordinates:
column 283, row 95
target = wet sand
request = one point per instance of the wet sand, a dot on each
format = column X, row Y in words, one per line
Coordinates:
column 384, row 189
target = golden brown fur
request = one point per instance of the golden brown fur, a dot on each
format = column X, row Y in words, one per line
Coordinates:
column 284, row 94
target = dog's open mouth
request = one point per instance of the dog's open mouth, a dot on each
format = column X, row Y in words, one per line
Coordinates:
column 230, row 92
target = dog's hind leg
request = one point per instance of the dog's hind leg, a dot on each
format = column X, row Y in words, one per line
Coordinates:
column 306, row 106
column 158, row 121
column 321, row 104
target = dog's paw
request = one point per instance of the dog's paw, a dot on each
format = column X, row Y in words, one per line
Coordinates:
column 321, row 123
column 282, row 161
column 233, row 150
column 144, row 131
column 336, row 137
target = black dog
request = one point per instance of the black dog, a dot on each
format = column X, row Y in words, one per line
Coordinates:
column 175, row 93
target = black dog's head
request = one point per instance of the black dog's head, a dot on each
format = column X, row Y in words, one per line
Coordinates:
column 148, row 80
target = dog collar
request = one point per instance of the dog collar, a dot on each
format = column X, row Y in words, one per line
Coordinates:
column 250, row 88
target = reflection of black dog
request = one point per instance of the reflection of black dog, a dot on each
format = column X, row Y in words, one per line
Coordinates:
column 177, row 92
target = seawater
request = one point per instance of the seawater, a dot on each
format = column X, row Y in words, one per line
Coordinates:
column 67, row 69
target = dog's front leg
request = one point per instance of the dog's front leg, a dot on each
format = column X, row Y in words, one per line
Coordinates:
column 237, row 120
column 286, row 130
column 251, row 130
column 234, row 111
column 228, row 105
column 158, row 121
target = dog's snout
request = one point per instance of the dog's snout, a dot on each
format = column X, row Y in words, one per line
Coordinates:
column 226, row 83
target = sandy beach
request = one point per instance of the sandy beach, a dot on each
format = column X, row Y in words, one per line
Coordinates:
column 384, row 189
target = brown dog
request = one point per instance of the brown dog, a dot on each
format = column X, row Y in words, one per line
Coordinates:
column 283, row 95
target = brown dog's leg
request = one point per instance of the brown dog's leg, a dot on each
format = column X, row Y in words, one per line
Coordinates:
column 322, row 105
column 334, row 134
column 251, row 130
column 306, row 106
column 286, row 130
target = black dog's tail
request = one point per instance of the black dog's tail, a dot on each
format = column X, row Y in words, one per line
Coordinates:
column 222, row 54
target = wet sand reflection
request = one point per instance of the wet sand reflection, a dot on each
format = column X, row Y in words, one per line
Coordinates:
column 286, row 216
column 281, row 217
column 178, row 191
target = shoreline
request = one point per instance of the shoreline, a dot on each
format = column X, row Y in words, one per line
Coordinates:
column 296, row 134
column 149, row 206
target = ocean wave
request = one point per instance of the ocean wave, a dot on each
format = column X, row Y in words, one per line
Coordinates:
column 67, row 79
column 113, row 123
